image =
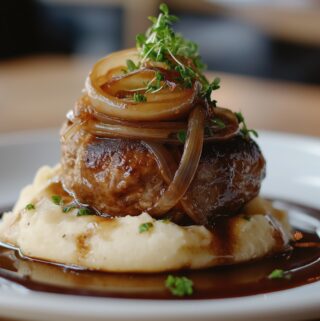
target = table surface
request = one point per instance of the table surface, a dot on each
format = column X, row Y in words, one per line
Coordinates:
column 37, row 92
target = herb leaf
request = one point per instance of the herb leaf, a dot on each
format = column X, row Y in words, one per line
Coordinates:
column 182, row 136
column 83, row 211
column 208, row 88
column 68, row 208
column 30, row 207
column 131, row 66
column 145, row 227
column 179, row 286
column 244, row 129
column 279, row 274
column 161, row 44
column 56, row 199
column 137, row 97
column 218, row 122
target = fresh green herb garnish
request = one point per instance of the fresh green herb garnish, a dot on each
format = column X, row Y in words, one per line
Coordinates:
column 161, row 44
column 145, row 227
column 131, row 66
column 179, row 286
column 159, row 76
column 83, row 211
column 30, row 207
column 244, row 129
column 68, row 208
column 279, row 274
column 154, row 85
column 137, row 97
column 182, row 136
column 56, row 199
column 208, row 88
column 187, row 75
column 218, row 122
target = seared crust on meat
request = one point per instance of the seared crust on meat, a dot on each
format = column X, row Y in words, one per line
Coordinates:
column 117, row 177
column 121, row 177
column 229, row 175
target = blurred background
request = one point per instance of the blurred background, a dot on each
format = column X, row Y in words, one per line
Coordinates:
column 267, row 53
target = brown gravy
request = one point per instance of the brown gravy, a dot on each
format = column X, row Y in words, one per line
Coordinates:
column 303, row 264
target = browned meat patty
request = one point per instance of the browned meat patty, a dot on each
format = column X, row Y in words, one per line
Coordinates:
column 120, row 177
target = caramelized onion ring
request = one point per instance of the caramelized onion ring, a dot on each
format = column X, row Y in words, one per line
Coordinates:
column 167, row 167
column 187, row 167
column 171, row 105
column 129, row 132
column 157, row 131
column 230, row 121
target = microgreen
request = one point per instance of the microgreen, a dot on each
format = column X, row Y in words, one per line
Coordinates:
column 218, row 123
column 179, row 286
column 83, row 211
column 56, row 199
column 131, row 66
column 182, row 136
column 279, row 274
column 137, row 97
column 208, row 88
column 244, row 129
column 161, row 44
column 154, row 84
column 145, row 227
column 68, row 208
column 30, row 207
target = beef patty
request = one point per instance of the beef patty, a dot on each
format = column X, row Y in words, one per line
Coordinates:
column 121, row 177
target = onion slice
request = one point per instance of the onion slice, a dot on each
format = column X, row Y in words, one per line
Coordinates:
column 187, row 167
column 167, row 167
column 230, row 129
column 108, row 130
column 173, row 104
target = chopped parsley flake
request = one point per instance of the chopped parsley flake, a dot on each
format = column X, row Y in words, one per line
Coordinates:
column 137, row 97
column 179, row 286
column 145, row 227
column 68, row 208
column 83, row 211
column 279, row 274
column 182, row 136
column 218, row 122
column 56, row 199
column 30, row 207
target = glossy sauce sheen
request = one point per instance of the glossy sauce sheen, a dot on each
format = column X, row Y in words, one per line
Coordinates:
column 303, row 264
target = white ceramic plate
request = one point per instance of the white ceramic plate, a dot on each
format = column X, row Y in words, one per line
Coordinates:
column 293, row 174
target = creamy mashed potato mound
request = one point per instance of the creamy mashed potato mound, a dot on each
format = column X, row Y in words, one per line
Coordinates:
column 116, row 244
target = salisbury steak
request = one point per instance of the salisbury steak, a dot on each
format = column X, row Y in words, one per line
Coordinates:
column 121, row 177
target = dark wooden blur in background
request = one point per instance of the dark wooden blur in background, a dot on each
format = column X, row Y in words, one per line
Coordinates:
column 267, row 53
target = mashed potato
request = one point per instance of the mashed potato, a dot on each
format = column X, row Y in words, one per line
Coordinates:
column 118, row 245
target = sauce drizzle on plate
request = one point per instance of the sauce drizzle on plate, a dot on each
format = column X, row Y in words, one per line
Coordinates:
column 302, row 263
